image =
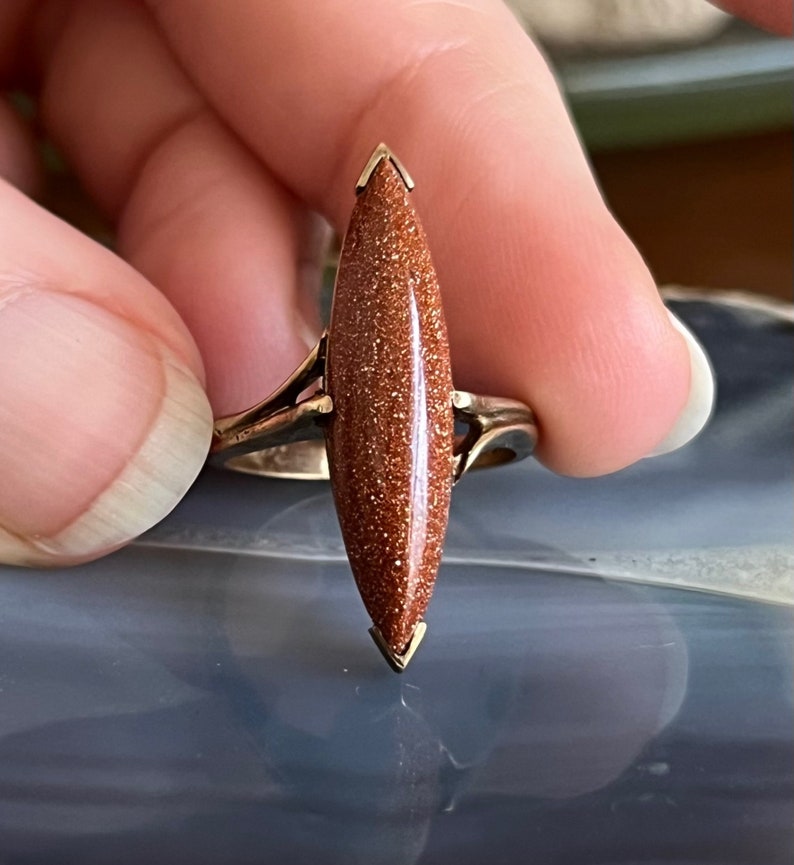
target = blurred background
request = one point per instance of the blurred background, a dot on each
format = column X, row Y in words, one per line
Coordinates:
column 687, row 116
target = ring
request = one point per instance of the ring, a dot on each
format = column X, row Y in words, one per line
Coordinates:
column 374, row 409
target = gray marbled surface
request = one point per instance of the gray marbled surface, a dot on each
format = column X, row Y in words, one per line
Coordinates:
column 210, row 695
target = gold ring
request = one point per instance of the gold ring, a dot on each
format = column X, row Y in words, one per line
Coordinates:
column 383, row 420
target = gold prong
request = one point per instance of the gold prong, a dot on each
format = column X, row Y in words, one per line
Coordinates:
column 398, row 663
column 379, row 153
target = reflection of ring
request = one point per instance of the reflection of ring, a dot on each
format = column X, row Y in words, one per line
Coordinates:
column 386, row 408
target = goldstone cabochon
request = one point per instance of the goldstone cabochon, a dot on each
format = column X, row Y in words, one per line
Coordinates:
column 390, row 436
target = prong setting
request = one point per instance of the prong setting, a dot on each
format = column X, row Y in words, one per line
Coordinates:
column 380, row 153
column 398, row 662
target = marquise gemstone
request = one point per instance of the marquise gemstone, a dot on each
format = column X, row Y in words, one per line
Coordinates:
column 390, row 435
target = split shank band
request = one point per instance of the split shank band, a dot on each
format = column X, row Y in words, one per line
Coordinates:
column 381, row 419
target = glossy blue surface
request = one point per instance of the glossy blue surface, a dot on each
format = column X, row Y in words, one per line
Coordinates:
column 211, row 695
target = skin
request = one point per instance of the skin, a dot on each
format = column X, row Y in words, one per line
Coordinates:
column 210, row 133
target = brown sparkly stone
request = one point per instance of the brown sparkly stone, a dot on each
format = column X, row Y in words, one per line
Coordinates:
column 390, row 434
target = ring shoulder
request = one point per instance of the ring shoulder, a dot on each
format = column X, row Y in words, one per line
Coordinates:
column 498, row 430
column 280, row 419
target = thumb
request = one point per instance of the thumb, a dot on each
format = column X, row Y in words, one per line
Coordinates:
column 103, row 420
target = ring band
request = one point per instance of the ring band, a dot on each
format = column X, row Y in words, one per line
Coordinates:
column 383, row 421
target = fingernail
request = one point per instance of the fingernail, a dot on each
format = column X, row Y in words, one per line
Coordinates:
column 700, row 404
column 102, row 428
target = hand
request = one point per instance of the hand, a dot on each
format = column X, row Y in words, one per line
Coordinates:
column 207, row 131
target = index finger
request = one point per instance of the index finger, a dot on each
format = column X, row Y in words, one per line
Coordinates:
column 546, row 299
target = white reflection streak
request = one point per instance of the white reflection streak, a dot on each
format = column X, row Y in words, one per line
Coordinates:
column 417, row 531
